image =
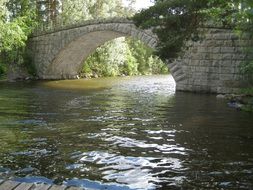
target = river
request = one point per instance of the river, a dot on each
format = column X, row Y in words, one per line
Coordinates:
column 123, row 133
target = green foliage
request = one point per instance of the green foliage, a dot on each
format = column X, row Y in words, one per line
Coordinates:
column 105, row 61
column 123, row 57
column 247, row 91
column 247, row 69
column 17, row 22
column 243, row 23
column 141, row 53
column 248, row 105
column 48, row 10
column 15, row 27
column 247, row 108
column 157, row 65
column 130, row 66
column 79, row 10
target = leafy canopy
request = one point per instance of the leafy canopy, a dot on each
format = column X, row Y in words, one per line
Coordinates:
column 15, row 28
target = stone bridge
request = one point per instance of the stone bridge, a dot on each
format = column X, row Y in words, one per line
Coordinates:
column 210, row 65
column 59, row 53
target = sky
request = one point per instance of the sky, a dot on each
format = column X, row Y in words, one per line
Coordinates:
column 140, row 4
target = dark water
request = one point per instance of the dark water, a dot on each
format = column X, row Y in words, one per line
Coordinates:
column 121, row 134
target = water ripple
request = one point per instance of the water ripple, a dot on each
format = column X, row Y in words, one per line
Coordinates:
column 135, row 172
column 129, row 143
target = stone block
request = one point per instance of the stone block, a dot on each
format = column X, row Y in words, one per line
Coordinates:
column 216, row 50
column 244, row 43
column 227, row 56
column 237, row 63
column 145, row 38
column 229, row 43
column 195, row 62
column 225, row 77
column 214, row 77
column 134, row 33
column 208, row 37
column 226, row 63
column 227, row 70
column 213, row 70
column 233, row 36
column 239, row 56
column 121, row 28
column 209, row 43
column 105, row 26
column 201, row 49
column 227, row 49
column 220, row 36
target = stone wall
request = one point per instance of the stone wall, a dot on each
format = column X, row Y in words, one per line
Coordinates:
column 212, row 64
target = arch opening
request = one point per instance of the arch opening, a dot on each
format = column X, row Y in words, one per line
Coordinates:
column 123, row 56
column 68, row 62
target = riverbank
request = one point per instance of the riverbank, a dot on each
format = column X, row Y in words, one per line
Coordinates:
column 241, row 101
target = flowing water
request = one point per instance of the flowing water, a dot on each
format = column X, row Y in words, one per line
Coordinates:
column 121, row 134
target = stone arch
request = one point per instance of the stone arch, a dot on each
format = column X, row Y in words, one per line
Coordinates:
column 61, row 52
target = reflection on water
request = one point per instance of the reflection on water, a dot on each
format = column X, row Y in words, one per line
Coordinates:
column 121, row 134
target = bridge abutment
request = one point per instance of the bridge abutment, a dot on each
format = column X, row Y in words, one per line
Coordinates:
column 212, row 64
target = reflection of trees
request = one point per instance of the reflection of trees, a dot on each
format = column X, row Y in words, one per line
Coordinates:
column 13, row 110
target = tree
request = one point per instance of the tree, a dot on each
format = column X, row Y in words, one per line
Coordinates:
column 15, row 24
column 80, row 10
column 48, row 10
column 176, row 21
column 17, row 21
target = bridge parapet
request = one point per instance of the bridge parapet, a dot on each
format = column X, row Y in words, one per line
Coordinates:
column 59, row 25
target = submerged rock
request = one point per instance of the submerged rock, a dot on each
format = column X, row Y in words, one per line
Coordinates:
column 238, row 101
column 236, row 105
column 220, row 96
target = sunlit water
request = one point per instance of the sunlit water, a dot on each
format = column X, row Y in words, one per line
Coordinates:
column 121, row 134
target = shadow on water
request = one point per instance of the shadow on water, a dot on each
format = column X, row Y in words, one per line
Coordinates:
column 124, row 133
